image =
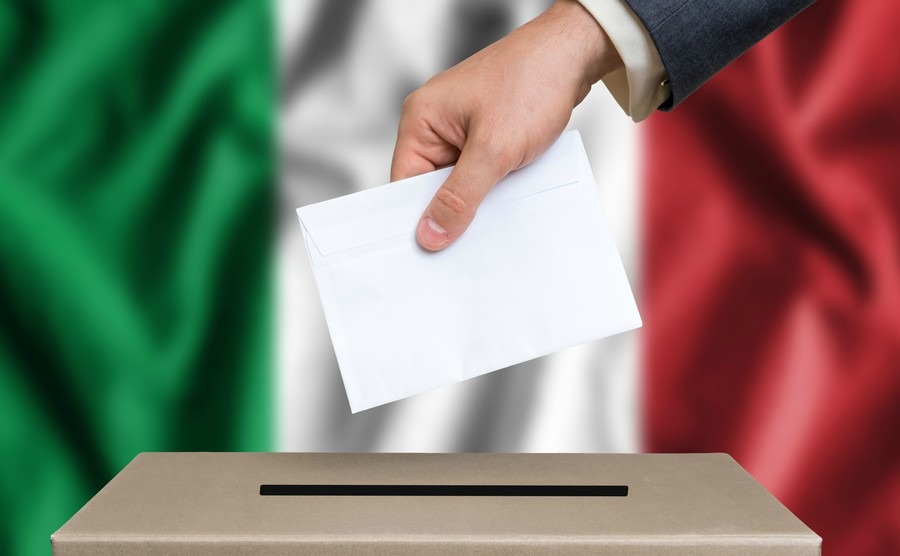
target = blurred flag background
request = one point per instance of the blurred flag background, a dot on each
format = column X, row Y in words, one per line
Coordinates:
column 155, row 294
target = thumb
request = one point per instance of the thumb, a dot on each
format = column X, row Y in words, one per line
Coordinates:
column 454, row 205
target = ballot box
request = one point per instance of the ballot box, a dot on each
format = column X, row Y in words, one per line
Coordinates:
column 345, row 503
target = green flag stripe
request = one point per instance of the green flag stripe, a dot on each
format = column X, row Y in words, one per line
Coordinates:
column 136, row 223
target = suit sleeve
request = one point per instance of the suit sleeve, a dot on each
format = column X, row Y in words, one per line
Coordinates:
column 697, row 38
column 641, row 84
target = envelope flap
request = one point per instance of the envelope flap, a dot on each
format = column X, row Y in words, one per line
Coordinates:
column 393, row 210
column 369, row 216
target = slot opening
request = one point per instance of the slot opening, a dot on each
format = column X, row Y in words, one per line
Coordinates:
column 443, row 490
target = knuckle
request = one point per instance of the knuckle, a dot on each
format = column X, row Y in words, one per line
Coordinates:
column 418, row 100
column 411, row 101
column 486, row 145
column 453, row 201
column 494, row 150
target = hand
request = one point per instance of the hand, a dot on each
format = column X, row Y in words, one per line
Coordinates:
column 497, row 111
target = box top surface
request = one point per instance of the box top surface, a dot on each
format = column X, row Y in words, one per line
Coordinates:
column 202, row 495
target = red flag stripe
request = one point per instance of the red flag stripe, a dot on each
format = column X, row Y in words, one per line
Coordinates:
column 772, row 271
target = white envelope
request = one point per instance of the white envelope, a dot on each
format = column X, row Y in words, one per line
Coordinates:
column 536, row 272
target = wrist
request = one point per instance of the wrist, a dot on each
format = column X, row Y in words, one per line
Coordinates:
column 593, row 50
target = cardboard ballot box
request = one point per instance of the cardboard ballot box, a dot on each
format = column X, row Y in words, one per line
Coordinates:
column 267, row 504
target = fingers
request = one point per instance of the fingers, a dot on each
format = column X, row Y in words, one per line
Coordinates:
column 419, row 149
column 407, row 163
column 453, row 207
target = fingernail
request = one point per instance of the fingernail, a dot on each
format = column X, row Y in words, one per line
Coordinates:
column 431, row 234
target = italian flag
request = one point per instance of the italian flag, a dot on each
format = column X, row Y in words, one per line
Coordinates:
column 155, row 294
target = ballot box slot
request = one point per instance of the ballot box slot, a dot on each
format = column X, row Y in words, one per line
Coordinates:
column 443, row 490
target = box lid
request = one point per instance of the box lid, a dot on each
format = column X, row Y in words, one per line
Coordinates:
column 211, row 503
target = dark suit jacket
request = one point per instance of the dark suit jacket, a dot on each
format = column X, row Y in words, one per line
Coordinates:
column 697, row 38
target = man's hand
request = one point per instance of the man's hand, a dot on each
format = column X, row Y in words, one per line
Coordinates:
column 497, row 111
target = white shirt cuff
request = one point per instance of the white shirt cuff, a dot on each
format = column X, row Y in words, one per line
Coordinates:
column 642, row 85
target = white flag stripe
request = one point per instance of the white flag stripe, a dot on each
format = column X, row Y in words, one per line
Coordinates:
column 344, row 73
